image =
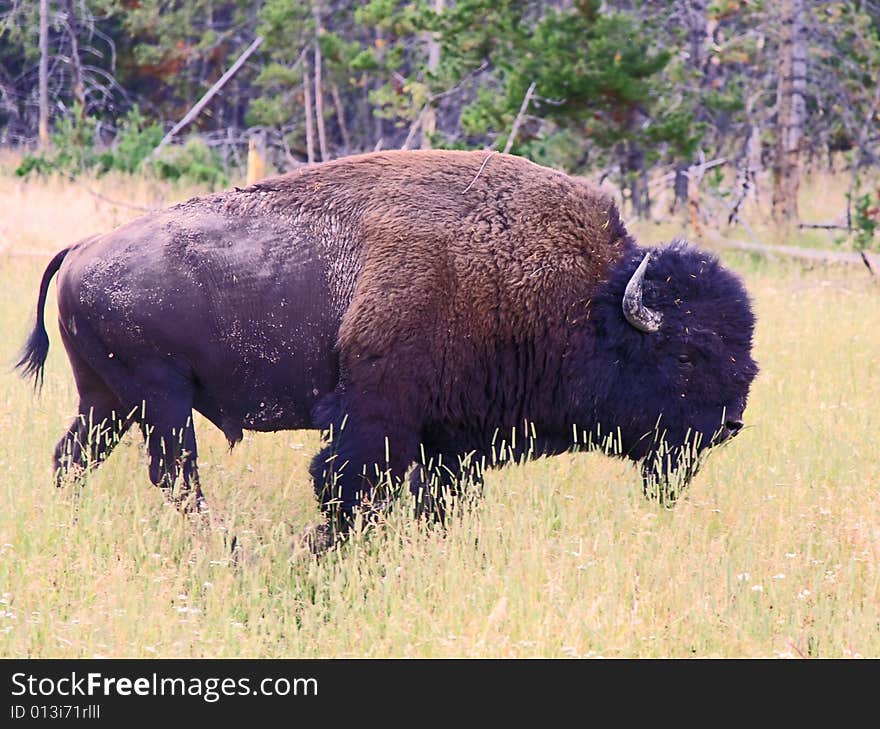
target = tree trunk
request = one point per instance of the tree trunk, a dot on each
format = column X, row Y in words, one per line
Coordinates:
column 754, row 147
column 319, row 86
column 637, row 178
column 377, row 84
column 860, row 149
column 307, row 102
column 256, row 159
column 679, row 187
column 524, row 107
column 340, row 117
column 753, row 159
column 79, row 91
column 700, row 34
column 791, row 111
column 429, row 116
column 209, row 94
column 694, row 177
column 748, row 164
column 44, row 74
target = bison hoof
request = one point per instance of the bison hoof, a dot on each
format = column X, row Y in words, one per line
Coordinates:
column 339, row 525
column 315, row 540
column 666, row 491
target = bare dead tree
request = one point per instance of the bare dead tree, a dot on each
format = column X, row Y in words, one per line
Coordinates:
column 429, row 115
column 7, row 103
column 44, row 74
column 748, row 164
column 79, row 89
column 340, row 118
column 209, row 94
column 694, row 16
column 415, row 127
column 319, row 86
column 791, row 111
column 310, row 119
column 861, row 145
column 527, row 99
column 380, row 43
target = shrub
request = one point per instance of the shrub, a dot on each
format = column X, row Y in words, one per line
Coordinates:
column 134, row 142
column 73, row 152
column 195, row 162
column 866, row 220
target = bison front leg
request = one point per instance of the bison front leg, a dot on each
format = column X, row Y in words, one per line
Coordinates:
column 173, row 466
column 371, row 444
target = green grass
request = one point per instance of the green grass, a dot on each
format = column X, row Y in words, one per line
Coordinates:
column 773, row 551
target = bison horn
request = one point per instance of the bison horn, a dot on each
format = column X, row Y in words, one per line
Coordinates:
column 635, row 312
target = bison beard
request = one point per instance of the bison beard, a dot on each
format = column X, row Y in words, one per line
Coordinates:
column 430, row 308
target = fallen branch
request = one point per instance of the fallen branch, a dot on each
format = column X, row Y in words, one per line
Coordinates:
column 414, row 127
column 519, row 117
column 435, row 97
column 27, row 252
column 110, row 200
column 823, row 226
column 734, row 217
column 420, row 118
column 807, row 254
column 694, row 175
column 200, row 104
column 872, row 261
column 700, row 169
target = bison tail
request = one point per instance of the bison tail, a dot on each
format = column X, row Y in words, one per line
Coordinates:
column 36, row 349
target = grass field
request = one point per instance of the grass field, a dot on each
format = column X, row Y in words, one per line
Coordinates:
column 773, row 552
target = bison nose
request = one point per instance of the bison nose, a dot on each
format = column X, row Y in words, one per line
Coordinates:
column 734, row 426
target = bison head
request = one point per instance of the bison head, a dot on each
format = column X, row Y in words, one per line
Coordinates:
column 672, row 365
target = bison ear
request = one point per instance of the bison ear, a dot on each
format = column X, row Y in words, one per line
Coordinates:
column 635, row 312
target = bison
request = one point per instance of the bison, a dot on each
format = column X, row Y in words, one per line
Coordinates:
column 418, row 307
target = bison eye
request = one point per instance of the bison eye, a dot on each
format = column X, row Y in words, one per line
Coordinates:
column 684, row 359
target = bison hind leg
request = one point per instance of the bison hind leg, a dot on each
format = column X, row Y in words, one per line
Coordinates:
column 91, row 437
column 100, row 423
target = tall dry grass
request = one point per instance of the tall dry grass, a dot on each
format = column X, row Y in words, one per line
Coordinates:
column 773, row 552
